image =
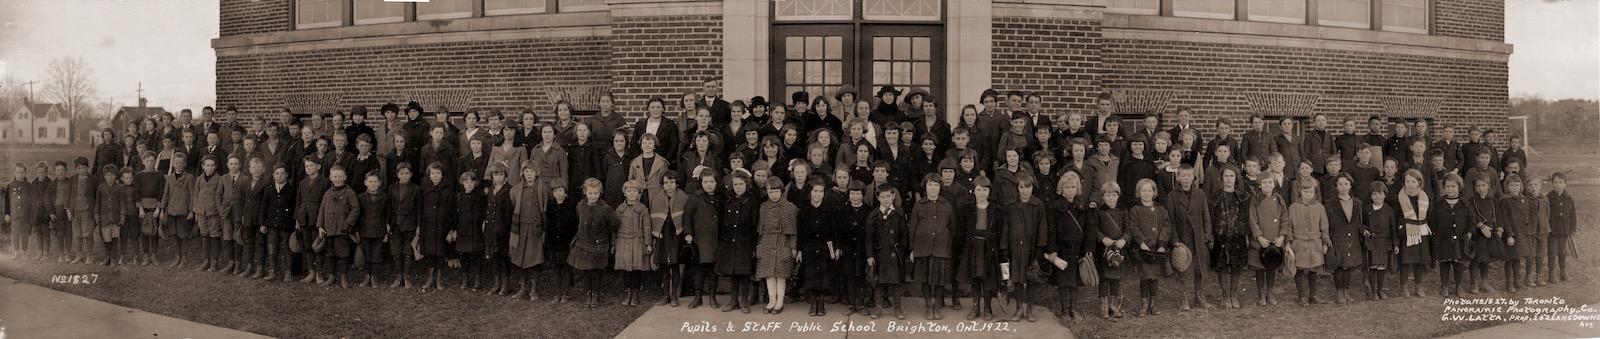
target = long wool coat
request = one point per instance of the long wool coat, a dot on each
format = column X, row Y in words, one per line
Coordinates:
column 1451, row 224
column 634, row 244
column 700, row 215
column 591, row 245
column 527, row 225
column 1308, row 232
column 1345, row 233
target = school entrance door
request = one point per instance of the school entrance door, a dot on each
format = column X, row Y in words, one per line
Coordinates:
column 819, row 59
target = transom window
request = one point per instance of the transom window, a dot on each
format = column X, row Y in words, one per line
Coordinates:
column 310, row 14
column 841, row 10
column 1407, row 16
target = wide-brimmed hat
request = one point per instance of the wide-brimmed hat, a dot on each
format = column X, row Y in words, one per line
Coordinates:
column 887, row 89
column 1181, row 258
column 414, row 106
column 846, row 89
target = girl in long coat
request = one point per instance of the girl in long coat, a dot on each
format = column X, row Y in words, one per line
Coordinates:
column 1230, row 231
column 932, row 223
column 1150, row 227
column 1308, row 239
column 510, row 154
column 498, row 218
column 438, row 220
column 526, row 248
column 666, row 230
column 1488, row 240
column 1268, row 216
column 1451, row 219
column 583, row 157
column 736, row 239
column 560, row 227
column 1111, row 231
column 700, row 213
column 1069, row 242
column 1414, row 231
column 615, row 164
column 1345, row 227
column 634, row 243
column 979, row 268
column 816, row 224
column 888, row 242
column 1191, row 219
column 592, row 241
column 1517, row 214
column 552, row 159
column 1378, row 238
column 776, row 251
column 1023, row 235
column 468, row 233
column 849, row 243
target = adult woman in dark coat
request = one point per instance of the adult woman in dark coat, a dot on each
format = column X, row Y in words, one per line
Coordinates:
column 736, row 241
column 1069, row 242
column 1451, row 221
column 561, row 225
column 438, row 219
column 887, row 241
column 980, row 264
column 700, row 214
column 665, row 130
column 816, row 224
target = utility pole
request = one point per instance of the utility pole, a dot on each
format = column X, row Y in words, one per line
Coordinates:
column 30, row 90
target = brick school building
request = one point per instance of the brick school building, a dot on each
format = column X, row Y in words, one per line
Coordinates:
column 1445, row 61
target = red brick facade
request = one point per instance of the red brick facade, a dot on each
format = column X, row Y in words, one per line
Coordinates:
column 1234, row 81
column 1057, row 58
column 662, row 56
column 506, row 75
column 255, row 16
column 1473, row 19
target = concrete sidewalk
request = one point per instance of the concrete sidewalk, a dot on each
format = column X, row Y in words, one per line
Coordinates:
column 1532, row 330
column 704, row 322
column 30, row 311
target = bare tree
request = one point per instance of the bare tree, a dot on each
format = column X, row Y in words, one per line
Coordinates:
column 11, row 94
column 70, row 82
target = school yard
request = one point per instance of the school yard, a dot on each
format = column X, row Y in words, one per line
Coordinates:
column 300, row 310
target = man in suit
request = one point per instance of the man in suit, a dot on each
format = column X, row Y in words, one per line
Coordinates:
column 721, row 112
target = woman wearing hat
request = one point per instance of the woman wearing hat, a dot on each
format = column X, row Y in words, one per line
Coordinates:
column 888, row 110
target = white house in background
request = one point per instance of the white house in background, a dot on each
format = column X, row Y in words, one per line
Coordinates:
column 39, row 123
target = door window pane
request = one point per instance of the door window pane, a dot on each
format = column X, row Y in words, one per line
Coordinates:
column 919, row 48
column 1284, row 11
column 813, row 48
column 508, row 7
column 904, row 62
column 814, row 64
column 444, row 9
column 880, row 48
column 909, row 10
column 318, row 13
column 835, row 46
column 797, row 10
column 1408, row 16
column 582, row 5
column 379, row 11
column 794, row 47
column 1345, row 13
column 1209, row 9
column 1147, row 7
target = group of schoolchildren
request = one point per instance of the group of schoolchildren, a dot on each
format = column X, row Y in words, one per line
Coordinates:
column 836, row 199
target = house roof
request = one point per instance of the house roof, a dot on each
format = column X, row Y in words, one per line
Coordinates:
column 41, row 110
column 133, row 112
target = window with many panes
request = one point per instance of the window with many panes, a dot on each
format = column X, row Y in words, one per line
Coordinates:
column 1208, row 9
column 379, row 11
column 1406, row 16
column 1283, row 11
column 318, row 13
column 1146, row 7
column 814, row 64
column 904, row 62
column 1345, row 13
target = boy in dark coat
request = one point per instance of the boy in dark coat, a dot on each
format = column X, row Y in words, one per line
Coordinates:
column 310, row 192
column 20, row 209
column 1563, row 223
column 468, row 231
column 404, row 196
column 1451, row 220
column 277, row 215
column 374, row 224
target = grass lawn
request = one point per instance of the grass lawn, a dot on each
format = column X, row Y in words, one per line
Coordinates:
column 299, row 310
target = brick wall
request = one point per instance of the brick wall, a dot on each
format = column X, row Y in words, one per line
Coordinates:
column 255, row 16
column 1226, row 81
column 1476, row 19
column 662, row 56
column 507, row 75
column 1058, row 58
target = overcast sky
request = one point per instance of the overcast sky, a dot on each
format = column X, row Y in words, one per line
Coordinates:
column 166, row 44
